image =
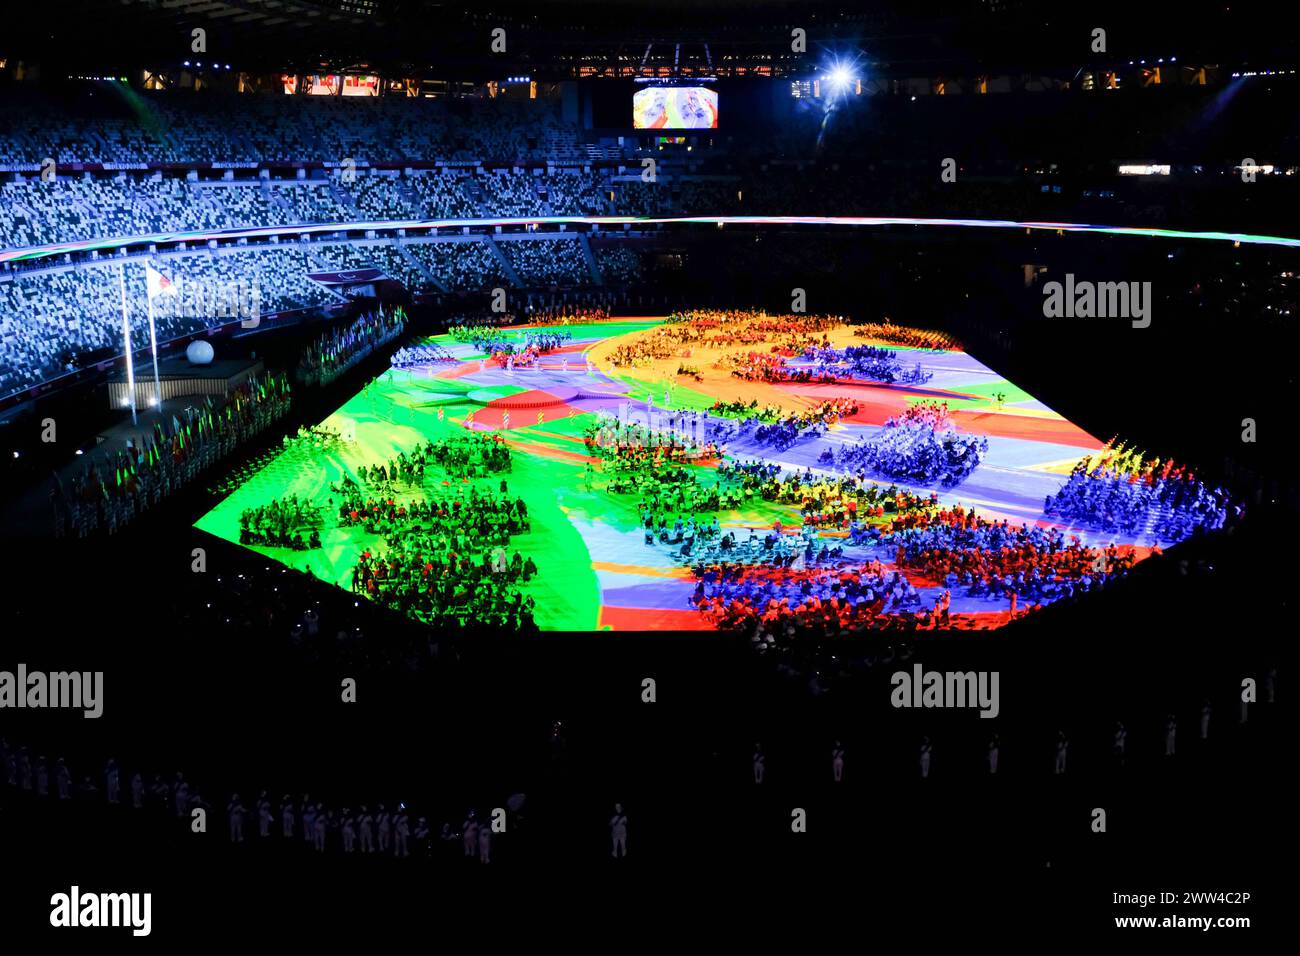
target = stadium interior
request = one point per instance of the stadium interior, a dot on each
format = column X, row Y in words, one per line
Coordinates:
column 479, row 444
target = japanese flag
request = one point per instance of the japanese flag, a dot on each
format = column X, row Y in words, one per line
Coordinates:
column 158, row 283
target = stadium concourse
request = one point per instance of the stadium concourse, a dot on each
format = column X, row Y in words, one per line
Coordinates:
column 554, row 396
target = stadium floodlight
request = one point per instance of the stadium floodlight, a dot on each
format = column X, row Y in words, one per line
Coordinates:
column 840, row 78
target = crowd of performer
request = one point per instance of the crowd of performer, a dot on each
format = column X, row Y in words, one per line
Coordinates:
column 512, row 351
column 469, row 455
column 743, row 318
column 785, row 335
column 820, row 363
column 444, row 556
column 1119, row 490
column 409, row 356
column 460, row 323
column 755, row 366
column 340, row 349
column 772, row 425
column 374, row 830
column 790, row 572
column 280, row 523
column 860, row 362
column 109, row 494
column 927, row 339
column 482, row 336
column 422, row 574
column 524, row 353
column 629, row 446
column 918, row 446
column 844, row 502
column 999, row 561
column 798, row 580
column 448, row 556
column 567, row 315
column 741, row 595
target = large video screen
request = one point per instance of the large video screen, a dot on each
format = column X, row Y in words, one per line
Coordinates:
column 326, row 84
column 675, row 107
column 360, row 86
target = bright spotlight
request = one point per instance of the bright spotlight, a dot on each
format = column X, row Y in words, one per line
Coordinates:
column 840, row 78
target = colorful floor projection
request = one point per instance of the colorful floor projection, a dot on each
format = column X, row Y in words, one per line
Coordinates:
column 670, row 469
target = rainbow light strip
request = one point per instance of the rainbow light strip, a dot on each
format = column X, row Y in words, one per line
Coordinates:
column 42, row 252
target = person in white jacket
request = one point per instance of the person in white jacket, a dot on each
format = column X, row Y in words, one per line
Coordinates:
column 618, row 832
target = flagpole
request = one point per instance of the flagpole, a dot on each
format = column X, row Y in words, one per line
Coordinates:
column 126, row 342
column 153, row 340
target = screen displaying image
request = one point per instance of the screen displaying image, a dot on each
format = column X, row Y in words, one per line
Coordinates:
column 675, row 107
column 360, row 86
column 323, row 85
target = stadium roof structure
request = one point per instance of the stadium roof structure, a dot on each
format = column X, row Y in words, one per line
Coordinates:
column 546, row 38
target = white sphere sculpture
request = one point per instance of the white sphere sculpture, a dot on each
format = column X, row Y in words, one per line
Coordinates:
column 199, row 352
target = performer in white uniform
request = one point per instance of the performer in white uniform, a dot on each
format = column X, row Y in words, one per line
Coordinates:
column 401, row 831
column 235, row 813
column 322, row 824
column 367, row 823
column 264, row 816
column 113, row 782
column 349, row 831
column 384, row 825
column 618, row 832
column 471, row 834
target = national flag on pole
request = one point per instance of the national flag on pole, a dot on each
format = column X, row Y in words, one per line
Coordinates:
column 158, row 283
